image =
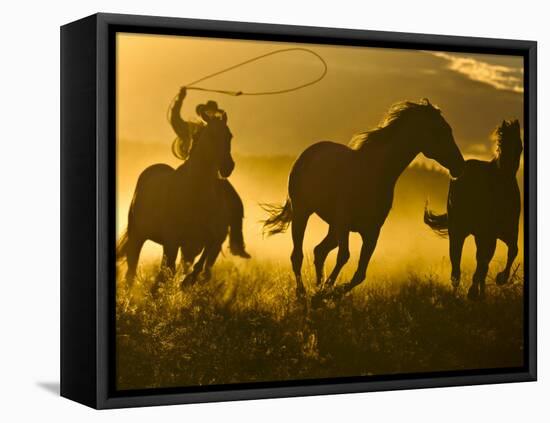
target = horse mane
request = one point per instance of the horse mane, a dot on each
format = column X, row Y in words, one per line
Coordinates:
column 507, row 138
column 392, row 117
column 203, row 132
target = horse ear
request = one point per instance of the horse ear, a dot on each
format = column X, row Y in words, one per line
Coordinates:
column 504, row 123
column 426, row 102
column 515, row 123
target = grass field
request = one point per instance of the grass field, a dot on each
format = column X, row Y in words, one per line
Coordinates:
column 245, row 325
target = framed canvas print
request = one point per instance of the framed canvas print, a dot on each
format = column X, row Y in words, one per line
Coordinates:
column 254, row 211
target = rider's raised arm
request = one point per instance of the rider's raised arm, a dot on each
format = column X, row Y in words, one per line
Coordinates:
column 180, row 126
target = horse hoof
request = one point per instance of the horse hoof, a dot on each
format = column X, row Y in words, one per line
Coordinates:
column 190, row 279
column 502, row 278
column 473, row 293
column 155, row 287
column 300, row 293
column 339, row 291
column 318, row 298
column 325, row 295
column 206, row 276
column 455, row 281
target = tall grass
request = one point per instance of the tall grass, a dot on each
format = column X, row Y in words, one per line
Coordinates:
column 244, row 325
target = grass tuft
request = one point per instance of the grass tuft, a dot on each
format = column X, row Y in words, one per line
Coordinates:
column 244, row 325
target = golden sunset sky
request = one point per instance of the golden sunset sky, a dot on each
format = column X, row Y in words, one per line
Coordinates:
column 475, row 93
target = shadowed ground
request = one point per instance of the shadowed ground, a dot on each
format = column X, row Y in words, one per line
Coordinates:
column 244, row 326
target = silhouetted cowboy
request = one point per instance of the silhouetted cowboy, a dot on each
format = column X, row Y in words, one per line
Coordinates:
column 187, row 131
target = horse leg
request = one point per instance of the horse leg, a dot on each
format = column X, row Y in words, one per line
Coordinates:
column 235, row 213
column 167, row 266
column 299, row 223
column 369, row 244
column 456, row 244
column 187, row 259
column 132, row 258
column 503, row 276
column 212, row 255
column 342, row 257
column 169, row 258
column 191, row 278
column 321, row 252
column 485, row 250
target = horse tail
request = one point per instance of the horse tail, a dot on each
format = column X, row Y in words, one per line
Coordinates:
column 122, row 243
column 122, row 247
column 279, row 217
column 438, row 222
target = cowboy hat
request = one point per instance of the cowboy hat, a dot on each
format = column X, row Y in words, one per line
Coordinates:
column 208, row 109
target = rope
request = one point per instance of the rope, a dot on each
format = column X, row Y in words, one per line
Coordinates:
column 254, row 59
column 191, row 86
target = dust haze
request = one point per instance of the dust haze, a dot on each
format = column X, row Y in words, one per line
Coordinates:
column 263, row 179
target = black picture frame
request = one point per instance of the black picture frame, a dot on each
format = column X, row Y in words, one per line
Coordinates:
column 88, row 198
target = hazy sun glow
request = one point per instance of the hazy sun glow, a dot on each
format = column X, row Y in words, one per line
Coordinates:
column 474, row 93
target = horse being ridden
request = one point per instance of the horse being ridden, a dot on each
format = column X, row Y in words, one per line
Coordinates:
column 189, row 131
column 183, row 207
column 351, row 188
column 484, row 202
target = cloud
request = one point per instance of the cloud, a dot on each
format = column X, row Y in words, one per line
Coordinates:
column 422, row 162
column 498, row 76
column 481, row 150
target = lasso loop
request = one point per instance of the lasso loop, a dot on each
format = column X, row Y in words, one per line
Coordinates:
column 191, row 86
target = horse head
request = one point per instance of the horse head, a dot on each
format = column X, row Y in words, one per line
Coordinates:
column 509, row 145
column 436, row 138
column 213, row 148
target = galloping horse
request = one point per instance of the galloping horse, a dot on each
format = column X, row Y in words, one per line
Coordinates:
column 182, row 208
column 351, row 188
column 484, row 202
